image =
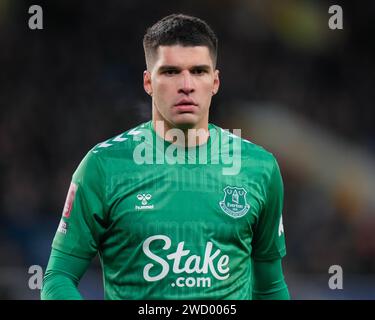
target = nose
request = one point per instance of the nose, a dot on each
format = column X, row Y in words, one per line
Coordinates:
column 187, row 83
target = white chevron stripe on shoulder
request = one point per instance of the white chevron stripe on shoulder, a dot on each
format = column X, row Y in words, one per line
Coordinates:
column 133, row 132
column 119, row 138
column 104, row 145
column 230, row 134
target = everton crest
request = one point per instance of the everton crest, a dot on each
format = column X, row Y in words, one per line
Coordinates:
column 234, row 203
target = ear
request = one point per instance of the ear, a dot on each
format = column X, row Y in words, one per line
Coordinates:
column 215, row 89
column 147, row 82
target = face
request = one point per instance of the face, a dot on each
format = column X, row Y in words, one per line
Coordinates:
column 182, row 81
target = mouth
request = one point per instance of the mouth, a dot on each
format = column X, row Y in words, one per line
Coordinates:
column 185, row 105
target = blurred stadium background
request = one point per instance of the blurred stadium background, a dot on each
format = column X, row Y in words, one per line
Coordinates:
column 301, row 90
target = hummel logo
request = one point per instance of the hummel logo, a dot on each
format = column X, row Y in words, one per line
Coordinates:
column 144, row 198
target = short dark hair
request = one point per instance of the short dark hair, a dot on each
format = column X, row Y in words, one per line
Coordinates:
column 179, row 29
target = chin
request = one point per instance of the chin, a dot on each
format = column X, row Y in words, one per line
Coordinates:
column 185, row 121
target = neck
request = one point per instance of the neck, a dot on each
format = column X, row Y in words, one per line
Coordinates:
column 181, row 135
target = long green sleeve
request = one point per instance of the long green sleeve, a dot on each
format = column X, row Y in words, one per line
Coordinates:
column 62, row 276
column 269, row 283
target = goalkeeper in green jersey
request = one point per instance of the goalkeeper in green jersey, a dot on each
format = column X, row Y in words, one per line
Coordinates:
column 176, row 208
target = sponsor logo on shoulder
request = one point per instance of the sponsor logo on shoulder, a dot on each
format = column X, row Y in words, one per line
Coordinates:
column 69, row 200
column 234, row 203
column 281, row 227
column 63, row 227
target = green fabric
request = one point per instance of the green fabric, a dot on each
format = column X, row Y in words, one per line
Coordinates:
column 62, row 276
column 181, row 231
column 269, row 282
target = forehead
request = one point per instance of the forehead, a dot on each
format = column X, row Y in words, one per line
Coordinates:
column 182, row 56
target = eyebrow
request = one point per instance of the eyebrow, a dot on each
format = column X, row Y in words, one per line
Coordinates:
column 171, row 67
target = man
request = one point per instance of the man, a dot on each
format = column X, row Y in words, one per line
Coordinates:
column 166, row 205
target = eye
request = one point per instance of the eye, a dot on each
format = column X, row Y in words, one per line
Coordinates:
column 170, row 72
column 199, row 71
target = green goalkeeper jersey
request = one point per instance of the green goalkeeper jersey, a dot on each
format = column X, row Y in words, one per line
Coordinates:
column 171, row 222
